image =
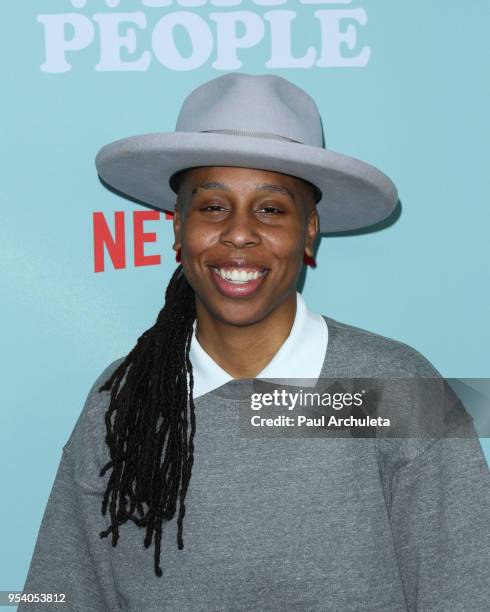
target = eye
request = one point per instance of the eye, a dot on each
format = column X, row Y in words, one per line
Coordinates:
column 212, row 207
column 271, row 210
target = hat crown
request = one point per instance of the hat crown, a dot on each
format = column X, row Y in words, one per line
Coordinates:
column 244, row 104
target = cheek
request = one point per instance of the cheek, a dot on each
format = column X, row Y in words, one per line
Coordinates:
column 197, row 240
column 197, row 243
column 286, row 250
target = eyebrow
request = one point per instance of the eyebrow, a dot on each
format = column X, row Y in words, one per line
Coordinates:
column 210, row 185
column 274, row 189
column 258, row 187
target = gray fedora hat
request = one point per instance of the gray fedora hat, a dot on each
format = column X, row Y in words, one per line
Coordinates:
column 252, row 121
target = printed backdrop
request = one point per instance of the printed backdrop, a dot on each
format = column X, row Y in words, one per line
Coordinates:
column 402, row 85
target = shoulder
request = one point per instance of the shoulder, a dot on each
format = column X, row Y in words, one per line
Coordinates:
column 86, row 444
column 424, row 409
column 374, row 353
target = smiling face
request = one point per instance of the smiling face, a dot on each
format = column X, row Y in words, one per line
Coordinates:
column 242, row 234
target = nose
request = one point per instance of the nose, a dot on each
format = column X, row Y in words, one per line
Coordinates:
column 240, row 230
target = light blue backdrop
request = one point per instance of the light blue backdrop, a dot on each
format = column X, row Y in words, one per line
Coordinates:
column 418, row 110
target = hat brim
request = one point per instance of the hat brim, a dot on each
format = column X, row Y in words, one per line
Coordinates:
column 354, row 194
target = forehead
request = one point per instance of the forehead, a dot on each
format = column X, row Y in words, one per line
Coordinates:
column 231, row 177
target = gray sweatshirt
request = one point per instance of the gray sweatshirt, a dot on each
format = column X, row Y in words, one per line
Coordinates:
column 285, row 524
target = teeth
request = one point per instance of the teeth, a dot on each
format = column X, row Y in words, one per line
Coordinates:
column 238, row 276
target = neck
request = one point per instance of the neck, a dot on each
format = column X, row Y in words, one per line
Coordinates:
column 244, row 351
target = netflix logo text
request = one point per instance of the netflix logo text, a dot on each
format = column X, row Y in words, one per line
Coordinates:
column 109, row 239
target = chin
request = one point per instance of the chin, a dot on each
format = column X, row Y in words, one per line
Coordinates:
column 242, row 314
column 236, row 311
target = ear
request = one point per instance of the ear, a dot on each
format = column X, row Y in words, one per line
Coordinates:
column 312, row 229
column 177, row 224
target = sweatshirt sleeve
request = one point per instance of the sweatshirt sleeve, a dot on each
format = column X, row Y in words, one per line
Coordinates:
column 440, row 516
column 69, row 556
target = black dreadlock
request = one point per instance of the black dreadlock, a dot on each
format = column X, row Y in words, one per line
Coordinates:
column 147, row 423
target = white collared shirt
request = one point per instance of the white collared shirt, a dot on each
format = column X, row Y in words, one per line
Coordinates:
column 300, row 356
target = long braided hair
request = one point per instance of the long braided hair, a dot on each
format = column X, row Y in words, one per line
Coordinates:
column 147, row 423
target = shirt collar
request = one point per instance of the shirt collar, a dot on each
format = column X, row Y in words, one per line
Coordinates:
column 300, row 356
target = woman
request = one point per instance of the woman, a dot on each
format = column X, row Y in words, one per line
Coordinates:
column 237, row 522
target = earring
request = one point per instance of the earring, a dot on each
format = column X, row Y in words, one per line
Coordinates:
column 309, row 261
column 178, row 255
